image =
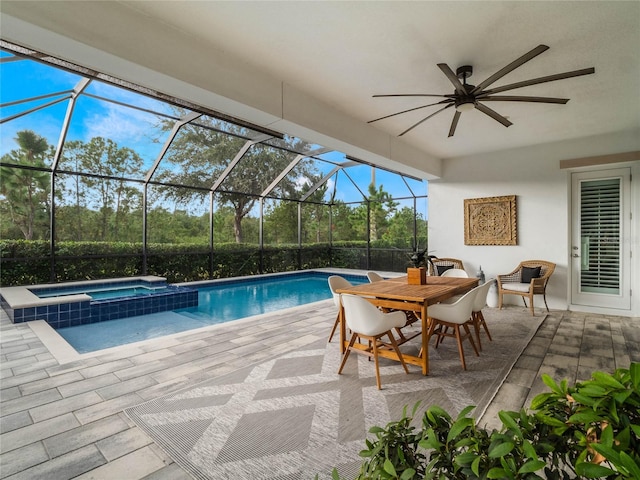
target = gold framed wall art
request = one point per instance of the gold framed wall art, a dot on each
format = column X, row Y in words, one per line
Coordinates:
column 490, row 221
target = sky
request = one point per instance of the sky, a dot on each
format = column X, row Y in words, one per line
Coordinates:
column 128, row 127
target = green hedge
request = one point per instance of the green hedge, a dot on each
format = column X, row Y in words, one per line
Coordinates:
column 29, row 262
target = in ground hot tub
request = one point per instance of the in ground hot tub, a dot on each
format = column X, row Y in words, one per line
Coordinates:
column 79, row 303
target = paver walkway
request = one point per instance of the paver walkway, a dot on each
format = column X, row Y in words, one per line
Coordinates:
column 62, row 417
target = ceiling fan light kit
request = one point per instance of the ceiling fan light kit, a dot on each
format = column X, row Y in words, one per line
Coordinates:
column 471, row 97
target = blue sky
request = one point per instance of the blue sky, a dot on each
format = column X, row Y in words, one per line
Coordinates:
column 126, row 126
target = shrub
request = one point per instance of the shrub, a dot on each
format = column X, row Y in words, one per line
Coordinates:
column 590, row 430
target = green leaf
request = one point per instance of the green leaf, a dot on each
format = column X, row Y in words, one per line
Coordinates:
column 606, row 438
column 606, row 379
column 500, row 449
column 458, row 427
column 630, row 464
column 434, row 412
column 528, row 449
column 389, row 468
column 464, row 459
column 497, row 472
column 510, row 423
column 583, row 399
column 532, row 466
column 591, row 470
column 540, row 399
column 550, row 382
column 465, row 411
column 584, row 417
column 335, row 475
column 634, row 370
column 408, row 474
column 475, row 466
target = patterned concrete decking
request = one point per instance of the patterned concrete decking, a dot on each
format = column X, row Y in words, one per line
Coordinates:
column 62, row 414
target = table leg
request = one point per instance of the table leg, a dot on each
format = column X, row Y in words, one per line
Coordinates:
column 425, row 340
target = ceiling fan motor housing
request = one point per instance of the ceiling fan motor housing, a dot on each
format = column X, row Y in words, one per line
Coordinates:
column 464, row 72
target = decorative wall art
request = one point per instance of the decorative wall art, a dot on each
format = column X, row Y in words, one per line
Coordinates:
column 490, row 221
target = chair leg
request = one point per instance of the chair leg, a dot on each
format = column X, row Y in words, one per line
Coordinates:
column 460, row 347
column 335, row 325
column 375, row 359
column 499, row 299
column 483, row 322
column 394, row 344
column 475, row 319
column 347, row 352
column 531, row 305
column 473, row 344
column 544, row 297
column 440, row 338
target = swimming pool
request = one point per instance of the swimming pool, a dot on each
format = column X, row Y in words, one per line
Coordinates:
column 218, row 302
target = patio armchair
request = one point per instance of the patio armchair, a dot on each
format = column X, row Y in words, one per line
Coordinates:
column 437, row 266
column 529, row 279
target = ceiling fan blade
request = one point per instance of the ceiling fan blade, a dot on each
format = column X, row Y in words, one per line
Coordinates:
column 410, row 110
column 452, row 78
column 454, row 123
column 509, row 68
column 493, row 114
column 535, row 81
column 510, row 98
column 412, row 95
column 425, row 119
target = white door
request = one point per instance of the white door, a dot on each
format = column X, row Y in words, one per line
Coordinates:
column 600, row 249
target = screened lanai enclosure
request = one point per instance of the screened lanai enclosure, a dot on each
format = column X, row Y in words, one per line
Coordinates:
column 104, row 178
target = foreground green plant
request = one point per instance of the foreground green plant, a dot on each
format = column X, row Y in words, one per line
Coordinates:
column 590, row 430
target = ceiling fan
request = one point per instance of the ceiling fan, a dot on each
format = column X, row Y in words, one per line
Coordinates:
column 469, row 97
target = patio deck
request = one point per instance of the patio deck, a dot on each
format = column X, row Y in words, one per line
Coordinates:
column 62, row 415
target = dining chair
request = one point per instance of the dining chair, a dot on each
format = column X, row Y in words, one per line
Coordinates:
column 367, row 322
column 336, row 282
column 455, row 272
column 374, row 277
column 454, row 315
column 437, row 266
column 411, row 316
column 477, row 318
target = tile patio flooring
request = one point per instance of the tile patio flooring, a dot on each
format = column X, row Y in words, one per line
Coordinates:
column 62, row 414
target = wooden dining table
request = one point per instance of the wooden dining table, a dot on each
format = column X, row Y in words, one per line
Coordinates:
column 398, row 294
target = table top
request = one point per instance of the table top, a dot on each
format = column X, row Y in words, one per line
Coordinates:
column 435, row 290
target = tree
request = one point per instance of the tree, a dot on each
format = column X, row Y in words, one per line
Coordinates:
column 105, row 191
column 202, row 151
column 381, row 205
column 26, row 191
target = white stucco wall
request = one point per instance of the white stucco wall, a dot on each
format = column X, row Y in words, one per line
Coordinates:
column 533, row 174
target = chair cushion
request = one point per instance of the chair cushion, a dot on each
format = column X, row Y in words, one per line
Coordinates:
column 528, row 273
column 516, row 287
column 444, row 268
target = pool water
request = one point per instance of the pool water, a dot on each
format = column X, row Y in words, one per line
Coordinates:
column 124, row 292
column 219, row 303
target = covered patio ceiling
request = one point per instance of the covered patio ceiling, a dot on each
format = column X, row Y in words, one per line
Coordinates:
column 310, row 69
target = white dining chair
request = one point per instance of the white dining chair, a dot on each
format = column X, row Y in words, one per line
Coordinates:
column 455, row 272
column 367, row 322
column 455, row 315
column 374, row 277
column 336, row 282
column 477, row 318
